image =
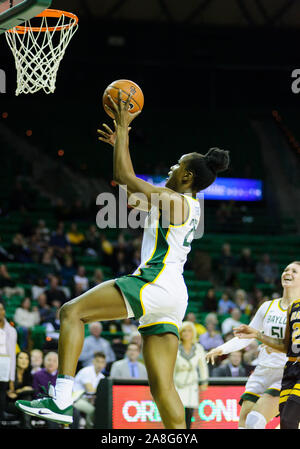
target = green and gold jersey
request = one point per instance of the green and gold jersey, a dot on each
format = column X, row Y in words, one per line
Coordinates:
column 169, row 245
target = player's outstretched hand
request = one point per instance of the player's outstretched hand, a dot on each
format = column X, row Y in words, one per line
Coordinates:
column 108, row 136
column 244, row 331
column 213, row 354
column 120, row 110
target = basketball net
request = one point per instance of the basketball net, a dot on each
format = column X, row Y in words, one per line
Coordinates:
column 38, row 51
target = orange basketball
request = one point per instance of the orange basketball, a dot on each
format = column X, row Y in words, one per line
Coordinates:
column 127, row 87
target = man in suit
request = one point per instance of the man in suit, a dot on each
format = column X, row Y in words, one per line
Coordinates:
column 129, row 367
column 231, row 368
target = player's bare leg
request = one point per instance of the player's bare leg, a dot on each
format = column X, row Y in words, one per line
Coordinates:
column 247, row 406
column 267, row 406
column 101, row 303
column 257, row 415
column 160, row 352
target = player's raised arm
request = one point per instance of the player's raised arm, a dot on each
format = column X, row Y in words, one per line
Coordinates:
column 123, row 173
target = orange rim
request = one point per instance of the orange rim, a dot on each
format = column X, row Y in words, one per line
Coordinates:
column 48, row 13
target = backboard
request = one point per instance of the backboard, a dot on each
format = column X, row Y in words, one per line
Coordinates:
column 15, row 12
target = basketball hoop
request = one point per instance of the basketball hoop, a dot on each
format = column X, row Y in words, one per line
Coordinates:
column 38, row 50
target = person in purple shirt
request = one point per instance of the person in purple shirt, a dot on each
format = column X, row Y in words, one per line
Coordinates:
column 225, row 304
column 45, row 375
column 212, row 338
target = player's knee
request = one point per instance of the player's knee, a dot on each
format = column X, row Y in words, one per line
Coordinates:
column 255, row 420
column 67, row 311
column 160, row 388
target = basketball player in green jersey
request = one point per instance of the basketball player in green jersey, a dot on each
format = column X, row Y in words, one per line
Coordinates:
column 155, row 293
column 289, row 401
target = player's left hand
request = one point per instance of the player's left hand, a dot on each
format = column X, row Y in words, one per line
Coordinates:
column 123, row 116
column 108, row 136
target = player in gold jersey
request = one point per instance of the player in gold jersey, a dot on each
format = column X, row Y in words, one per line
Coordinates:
column 289, row 402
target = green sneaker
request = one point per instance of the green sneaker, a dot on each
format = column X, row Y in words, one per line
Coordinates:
column 46, row 409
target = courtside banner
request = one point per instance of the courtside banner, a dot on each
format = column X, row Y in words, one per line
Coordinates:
column 134, row 408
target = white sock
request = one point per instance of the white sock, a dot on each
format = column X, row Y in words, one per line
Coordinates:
column 63, row 392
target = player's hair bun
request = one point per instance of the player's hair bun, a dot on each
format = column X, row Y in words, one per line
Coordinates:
column 217, row 160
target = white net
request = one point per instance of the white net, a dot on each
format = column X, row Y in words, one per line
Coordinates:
column 38, row 52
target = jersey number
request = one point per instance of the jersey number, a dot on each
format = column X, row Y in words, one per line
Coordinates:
column 295, row 338
column 277, row 331
column 190, row 234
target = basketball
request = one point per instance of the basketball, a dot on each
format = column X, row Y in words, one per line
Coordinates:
column 127, row 87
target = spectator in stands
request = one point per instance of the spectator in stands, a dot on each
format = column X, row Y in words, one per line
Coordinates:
column 52, row 326
column 241, row 300
column 45, row 375
column 225, row 304
column 8, row 342
column 231, row 322
column 8, row 286
column 266, row 271
column 210, row 301
column 68, row 270
column 92, row 240
column 95, row 343
column 55, row 295
column 128, row 328
column 22, row 388
column 232, row 366
column 58, row 239
column 81, row 279
column 74, row 236
column 19, row 249
column 200, row 329
column 26, row 317
column 246, row 263
column 45, row 311
column 190, row 368
column 47, row 265
column 212, row 338
column 86, row 381
column 43, row 231
column 35, row 247
column 226, row 265
column 98, row 277
column 129, row 367
column 36, row 360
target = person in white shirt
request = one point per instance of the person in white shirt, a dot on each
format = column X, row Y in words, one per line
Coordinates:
column 8, row 341
column 81, row 278
column 85, row 385
column 25, row 318
column 231, row 322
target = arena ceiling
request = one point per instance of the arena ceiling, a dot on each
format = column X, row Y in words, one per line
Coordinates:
column 276, row 13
